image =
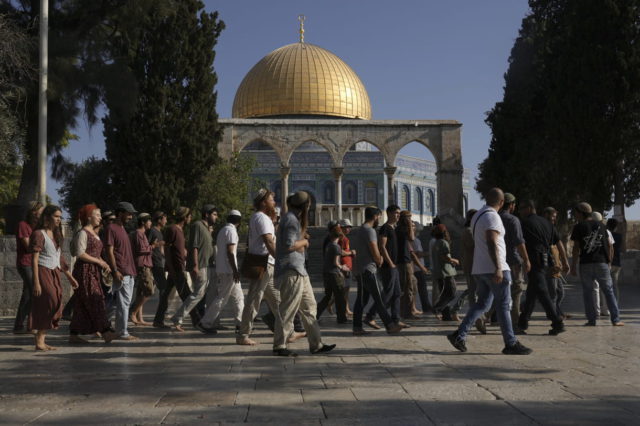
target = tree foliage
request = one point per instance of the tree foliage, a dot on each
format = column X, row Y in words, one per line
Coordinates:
column 568, row 125
column 162, row 149
column 87, row 182
column 228, row 184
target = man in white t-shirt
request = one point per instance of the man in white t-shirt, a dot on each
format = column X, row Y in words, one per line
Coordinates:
column 492, row 276
column 227, row 274
column 262, row 243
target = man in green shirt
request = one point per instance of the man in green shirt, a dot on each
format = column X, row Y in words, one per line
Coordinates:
column 199, row 250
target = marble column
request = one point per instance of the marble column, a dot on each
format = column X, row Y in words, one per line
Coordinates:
column 390, row 172
column 337, row 177
column 284, row 175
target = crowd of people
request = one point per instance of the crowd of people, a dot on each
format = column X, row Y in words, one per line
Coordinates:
column 116, row 271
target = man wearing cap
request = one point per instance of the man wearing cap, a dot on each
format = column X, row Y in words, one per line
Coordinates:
column 516, row 254
column 175, row 255
column 591, row 246
column 261, row 244
column 200, row 249
column 346, row 259
column 332, row 273
column 122, row 264
column 296, row 293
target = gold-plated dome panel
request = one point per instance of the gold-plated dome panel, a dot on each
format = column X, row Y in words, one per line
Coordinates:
column 301, row 79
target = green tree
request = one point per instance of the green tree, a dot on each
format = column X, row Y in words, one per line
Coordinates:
column 227, row 184
column 567, row 128
column 161, row 149
column 87, row 182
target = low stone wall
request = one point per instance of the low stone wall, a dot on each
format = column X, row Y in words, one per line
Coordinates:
column 10, row 281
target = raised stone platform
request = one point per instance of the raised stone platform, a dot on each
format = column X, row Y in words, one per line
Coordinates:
column 586, row 376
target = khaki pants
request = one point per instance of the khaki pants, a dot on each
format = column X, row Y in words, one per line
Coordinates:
column 409, row 289
column 296, row 295
column 517, row 275
column 258, row 289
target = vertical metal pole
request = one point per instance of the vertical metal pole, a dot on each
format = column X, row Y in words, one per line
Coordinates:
column 42, row 101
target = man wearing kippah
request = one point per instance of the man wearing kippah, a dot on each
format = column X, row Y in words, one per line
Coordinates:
column 296, row 293
column 261, row 245
column 199, row 251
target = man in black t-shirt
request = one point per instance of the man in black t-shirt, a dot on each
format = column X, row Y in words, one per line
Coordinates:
column 591, row 246
column 388, row 246
column 538, row 235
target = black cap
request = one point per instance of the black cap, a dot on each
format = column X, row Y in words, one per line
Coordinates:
column 124, row 206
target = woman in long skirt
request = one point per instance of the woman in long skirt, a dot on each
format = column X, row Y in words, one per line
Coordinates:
column 45, row 244
column 89, row 313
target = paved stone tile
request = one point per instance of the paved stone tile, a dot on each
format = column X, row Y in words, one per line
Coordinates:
column 588, row 375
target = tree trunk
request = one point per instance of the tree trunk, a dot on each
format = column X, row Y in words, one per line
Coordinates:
column 618, row 204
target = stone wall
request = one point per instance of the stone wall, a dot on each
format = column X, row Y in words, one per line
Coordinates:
column 10, row 281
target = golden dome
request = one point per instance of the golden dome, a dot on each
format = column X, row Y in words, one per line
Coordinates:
column 301, row 79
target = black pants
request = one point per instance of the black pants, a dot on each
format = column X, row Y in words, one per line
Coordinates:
column 334, row 286
column 423, row 291
column 390, row 294
column 448, row 293
column 368, row 286
column 24, row 307
column 179, row 281
column 538, row 289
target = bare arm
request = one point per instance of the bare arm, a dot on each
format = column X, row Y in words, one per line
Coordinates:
column 416, row 261
column 232, row 261
column 37, row 290
column 299, row 245
column 270, row 244
column 525, row 257
column 575, row 255
column 492, row 243
column 194, row 253
column 382, row 243
column 112, row 263
column 375, row 253
column 563, row 256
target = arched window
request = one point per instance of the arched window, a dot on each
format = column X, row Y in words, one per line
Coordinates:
column 371, row 193
column 429, row 202
column 418, row 206
column 405, row 198
column 349, row 193
column 328, row 194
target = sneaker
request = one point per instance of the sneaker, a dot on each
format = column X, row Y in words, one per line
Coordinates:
column 324, row 349
column 557, row 330
column 359, row 332
column 456, row 342
column 285, row 352
column 590, row 324
column 516, row 349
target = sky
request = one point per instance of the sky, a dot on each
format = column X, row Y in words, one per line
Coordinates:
column 418, row 59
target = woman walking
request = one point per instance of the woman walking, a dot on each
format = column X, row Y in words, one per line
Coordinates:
column 444, row 271
column 89, row 313
column 45, row 244
column 24, row 264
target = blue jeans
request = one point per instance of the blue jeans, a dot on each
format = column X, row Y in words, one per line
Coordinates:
column 124, row 290
column 486, row 290
column 590, row 272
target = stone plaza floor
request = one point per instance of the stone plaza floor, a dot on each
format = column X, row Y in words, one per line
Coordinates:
column 586, row 376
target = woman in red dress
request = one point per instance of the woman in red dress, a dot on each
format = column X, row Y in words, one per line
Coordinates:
column 45, row 243
column 89, row 313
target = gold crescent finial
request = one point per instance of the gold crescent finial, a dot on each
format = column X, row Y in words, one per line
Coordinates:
column 301, row 18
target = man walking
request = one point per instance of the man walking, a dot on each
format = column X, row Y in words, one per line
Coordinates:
column 175, row 257
column 591, row 246
column 539, row 235
column 560, row 266
column 388, row 248
column 296, row 293
column 157, row 254
column 198, row 254
column 262, row 247
column 228, row 275
column 365, row 269
column 122, row 264
column 491, row 274
column 517, row 257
